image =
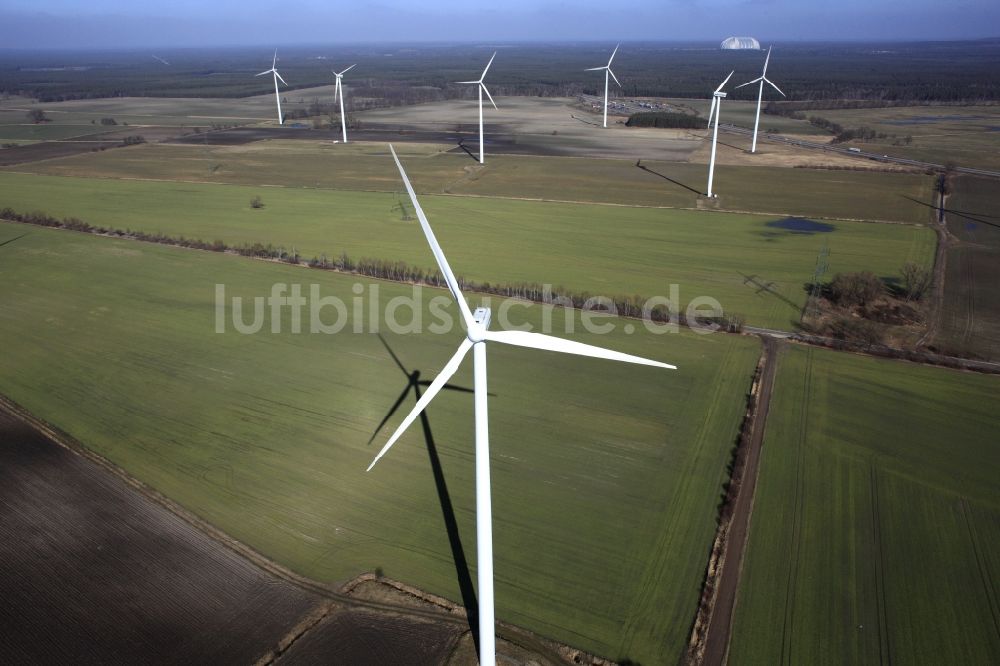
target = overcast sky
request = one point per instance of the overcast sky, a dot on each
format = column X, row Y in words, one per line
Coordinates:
column 127, row 23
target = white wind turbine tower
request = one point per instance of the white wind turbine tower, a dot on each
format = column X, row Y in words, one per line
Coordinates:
column 607, row 71
column 477, row 335
column 277, row 97
column 717, row 97
column 482, row 89
column 339, row 90
column 762, row 79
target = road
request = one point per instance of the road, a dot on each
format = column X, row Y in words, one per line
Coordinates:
column 878, row 157
column 720, row 625
column 628, row 107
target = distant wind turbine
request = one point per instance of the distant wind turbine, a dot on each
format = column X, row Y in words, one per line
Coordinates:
column 607, row 71
column 277, row 77
column 762, row 79
column 477, row 335
column 482, row 89
column 717, row 98
column 339, row 90
column 161, row 59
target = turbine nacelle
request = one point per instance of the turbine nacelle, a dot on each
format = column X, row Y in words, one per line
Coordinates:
column 478, row 331
column 341, row 74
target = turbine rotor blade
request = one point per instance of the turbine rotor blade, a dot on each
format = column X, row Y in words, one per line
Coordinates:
column 613, row 54
column 279, row 77
column 757, row 80
column 487, row 67
column 274, row 63
column 723, row 84
column 594, row 69
column 766, row 60
column 614, row 77
column 774, row 86
column 490, row 96
column 442, row 262
column 469, row 82
column 348, row 69
column 552, row 343
column 711, row 111
column 265, row 72
column 446, row 372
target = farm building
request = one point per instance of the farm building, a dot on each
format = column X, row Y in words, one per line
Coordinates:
column 741, row 43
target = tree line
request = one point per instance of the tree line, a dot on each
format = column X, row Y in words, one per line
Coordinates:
column 397, row 271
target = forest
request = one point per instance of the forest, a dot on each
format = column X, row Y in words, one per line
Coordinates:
column 811, row 74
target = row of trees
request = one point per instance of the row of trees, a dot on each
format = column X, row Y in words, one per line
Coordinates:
column 625, row 306
column 841, row 134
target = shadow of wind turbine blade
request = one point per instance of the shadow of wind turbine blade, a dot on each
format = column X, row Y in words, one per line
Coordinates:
column 11, row 240
column 395, row 358
column 392, row 410
column 465, row 586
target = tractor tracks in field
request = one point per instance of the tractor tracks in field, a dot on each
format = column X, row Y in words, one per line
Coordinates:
column 878, row 573
column 985, row 574
column 788, row 620
column 713, row 625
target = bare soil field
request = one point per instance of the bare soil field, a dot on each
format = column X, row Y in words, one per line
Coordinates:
column 543, row 126
column 498, row 141
column 94, row 572
column 734, row 150
column 367, row 637
column 47, row 150
column 970, row 311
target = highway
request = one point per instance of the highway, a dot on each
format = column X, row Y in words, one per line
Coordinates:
column 878, row 157
column 629, row 106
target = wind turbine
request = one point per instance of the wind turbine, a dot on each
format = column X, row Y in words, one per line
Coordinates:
column 762, row 79
column 607, row 71
column 477, row 335
column 277, row 97
column 339, row 90
column 717, row 97
column 482, row 89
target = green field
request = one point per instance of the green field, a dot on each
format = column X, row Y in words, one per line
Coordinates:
column 145, row 111
column 875, row 536
column 965, row 135
column 607, row 250
column 606, row 476
column 970, row 314
column 367, row 166
column 28, row 133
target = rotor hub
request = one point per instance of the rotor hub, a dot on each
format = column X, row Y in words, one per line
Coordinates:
column 481, row 322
